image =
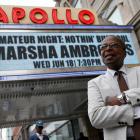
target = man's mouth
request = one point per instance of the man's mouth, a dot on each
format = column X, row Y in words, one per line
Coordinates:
column 109, row 56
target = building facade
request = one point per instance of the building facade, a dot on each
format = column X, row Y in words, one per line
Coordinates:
column 119, row 12
column 69, row 94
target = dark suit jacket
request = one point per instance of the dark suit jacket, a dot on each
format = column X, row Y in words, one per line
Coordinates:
column 34, row 137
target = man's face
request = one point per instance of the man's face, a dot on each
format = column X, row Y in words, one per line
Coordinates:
column 112, row 52
column 39, row 129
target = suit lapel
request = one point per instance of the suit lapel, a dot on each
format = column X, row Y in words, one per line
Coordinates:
column 37, row 138
column 132, row 78
column 111, row 82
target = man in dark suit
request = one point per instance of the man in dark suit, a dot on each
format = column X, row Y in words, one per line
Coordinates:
column 38, row 135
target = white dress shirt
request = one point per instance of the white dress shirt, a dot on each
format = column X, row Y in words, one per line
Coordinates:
column 40, row 136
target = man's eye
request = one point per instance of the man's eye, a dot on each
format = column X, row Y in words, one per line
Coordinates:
column 114, row 46
column 103, row 46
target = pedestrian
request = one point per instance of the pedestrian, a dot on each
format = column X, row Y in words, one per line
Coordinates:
column 38, row 135
column 114, row 98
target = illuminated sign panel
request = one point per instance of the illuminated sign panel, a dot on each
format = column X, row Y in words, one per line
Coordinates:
column 51, row 52
column 46, row 50
column 40, row 15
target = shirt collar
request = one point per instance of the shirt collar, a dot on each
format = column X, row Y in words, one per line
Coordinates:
column 112, row 72
column 39, row 134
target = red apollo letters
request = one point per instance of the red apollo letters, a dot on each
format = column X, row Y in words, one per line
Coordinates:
column 18, row 14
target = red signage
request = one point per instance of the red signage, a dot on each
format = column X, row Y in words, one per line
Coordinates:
column 41, row 16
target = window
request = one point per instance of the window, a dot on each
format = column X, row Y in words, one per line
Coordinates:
column 116, row 17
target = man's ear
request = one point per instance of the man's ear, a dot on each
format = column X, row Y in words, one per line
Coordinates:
column 124, row 53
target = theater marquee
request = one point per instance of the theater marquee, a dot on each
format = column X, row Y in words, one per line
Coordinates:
column 39, row 50
column 58, row 52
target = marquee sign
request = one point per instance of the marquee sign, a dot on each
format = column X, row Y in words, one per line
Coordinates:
column 40, row 15
column 32, row 52
column 39, row 50
column 74, row 52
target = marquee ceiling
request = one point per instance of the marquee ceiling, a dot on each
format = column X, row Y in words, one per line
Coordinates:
column 22, row 102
